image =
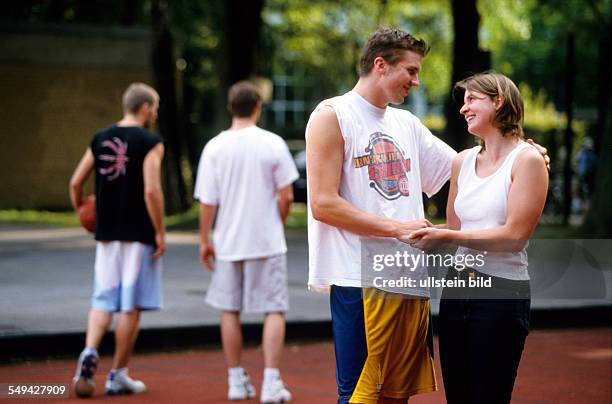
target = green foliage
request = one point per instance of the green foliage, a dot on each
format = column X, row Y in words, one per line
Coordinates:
column 325, row 38
column 528, row 40
column 540, row 114
column 435, row 123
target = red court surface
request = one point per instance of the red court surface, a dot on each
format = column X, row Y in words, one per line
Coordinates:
column 558, row 366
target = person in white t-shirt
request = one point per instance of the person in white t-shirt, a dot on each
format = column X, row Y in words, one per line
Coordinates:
column 368, row 166
column 245, row 176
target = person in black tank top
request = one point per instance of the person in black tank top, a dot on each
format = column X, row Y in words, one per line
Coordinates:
column 130, row 235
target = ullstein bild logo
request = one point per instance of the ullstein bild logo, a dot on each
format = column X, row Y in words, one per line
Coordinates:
column 387, row 166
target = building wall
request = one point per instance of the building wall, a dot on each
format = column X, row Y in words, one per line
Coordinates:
column 57, row 89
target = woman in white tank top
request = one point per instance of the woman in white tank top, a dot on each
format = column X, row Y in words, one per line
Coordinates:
column 496, row 197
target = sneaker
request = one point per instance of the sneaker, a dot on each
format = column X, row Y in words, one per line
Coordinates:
column 275, row 391
column 119, row 383
column 240, row 388
column 83, row 381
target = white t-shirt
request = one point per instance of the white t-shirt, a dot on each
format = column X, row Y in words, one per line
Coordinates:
column 390, row 158
column 241, row 171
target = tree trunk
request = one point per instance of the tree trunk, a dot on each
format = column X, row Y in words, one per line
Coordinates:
column 467, row 60
column 242, row 27
column 569, row 133
column 129, row 13
column 604, row 84
column 599, row 220
column 164, row 78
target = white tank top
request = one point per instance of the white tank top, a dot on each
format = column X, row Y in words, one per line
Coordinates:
column 390, row 158
column 481, row 203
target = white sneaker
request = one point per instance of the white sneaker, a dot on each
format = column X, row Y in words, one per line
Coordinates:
column 119, row 383
column 275, row 391
column 83, row 381
column 240, row 388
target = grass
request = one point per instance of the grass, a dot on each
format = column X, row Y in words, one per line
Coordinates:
column 39, row 218
column 182, row 221
column 188, row 220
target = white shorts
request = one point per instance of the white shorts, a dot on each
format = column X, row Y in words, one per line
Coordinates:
column 126, row 277
column 252, row 286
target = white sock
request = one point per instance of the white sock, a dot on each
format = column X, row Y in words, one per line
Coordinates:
column 90, row 350
column 119, row 371
column 271, row 374
column 235, row 373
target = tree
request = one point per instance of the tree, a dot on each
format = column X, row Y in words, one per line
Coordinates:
column 164, row 72
column 570, row 73
column 240, row 45
column 604, row 75
column 599, row 220
column 468, row 59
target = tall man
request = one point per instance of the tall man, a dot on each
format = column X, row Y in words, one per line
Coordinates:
column 129, row 232
column 367, row 168
column 246, row 173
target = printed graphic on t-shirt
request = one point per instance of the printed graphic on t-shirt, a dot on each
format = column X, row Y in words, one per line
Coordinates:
column 387, row 165
column 117, row 160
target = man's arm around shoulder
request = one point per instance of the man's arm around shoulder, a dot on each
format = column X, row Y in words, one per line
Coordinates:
column 154, row 197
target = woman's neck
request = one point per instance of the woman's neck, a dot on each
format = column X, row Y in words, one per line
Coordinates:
column 498, row 146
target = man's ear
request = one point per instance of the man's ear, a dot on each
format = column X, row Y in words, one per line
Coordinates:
column 380, row 65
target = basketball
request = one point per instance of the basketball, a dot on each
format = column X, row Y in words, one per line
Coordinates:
column 87, row 214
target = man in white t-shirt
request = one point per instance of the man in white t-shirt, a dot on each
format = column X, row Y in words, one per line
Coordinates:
column 245, row 175
column 368, row 166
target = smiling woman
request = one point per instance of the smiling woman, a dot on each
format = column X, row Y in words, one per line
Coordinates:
column 495, row 200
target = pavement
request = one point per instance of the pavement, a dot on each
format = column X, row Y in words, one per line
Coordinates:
column 557, row 367
column 46, row 277
column 45, row 286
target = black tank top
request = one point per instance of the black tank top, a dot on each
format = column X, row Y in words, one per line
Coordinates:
column 119, row 154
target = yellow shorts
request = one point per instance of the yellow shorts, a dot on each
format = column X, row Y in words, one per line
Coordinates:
column 399, row 362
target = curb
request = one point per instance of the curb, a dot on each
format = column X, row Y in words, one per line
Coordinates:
column 40, row 346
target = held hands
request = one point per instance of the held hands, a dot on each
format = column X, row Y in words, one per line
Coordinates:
column 426, row 239
column 207, row 254
column 405, row 229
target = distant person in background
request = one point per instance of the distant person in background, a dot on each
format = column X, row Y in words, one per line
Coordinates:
column 245, row 175
column 586, row 167
column 129, row 232
column 497, row 194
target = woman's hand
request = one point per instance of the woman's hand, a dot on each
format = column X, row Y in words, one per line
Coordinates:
column 427, row 238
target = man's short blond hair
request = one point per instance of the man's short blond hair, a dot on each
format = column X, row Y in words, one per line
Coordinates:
column 138, row 94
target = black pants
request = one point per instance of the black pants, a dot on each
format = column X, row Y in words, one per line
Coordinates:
column 481, row 342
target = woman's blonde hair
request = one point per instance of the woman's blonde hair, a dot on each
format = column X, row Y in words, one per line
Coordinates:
column 509, row 117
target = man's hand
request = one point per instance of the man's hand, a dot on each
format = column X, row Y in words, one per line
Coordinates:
column 407, row 228
column 160, row 243
column 543, row 151
column 426, row 239
column 207, row 254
